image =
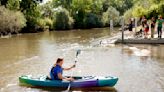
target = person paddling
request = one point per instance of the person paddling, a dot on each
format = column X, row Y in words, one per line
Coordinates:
column 57, row 71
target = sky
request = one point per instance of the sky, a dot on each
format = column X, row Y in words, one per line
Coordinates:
column 44, row 1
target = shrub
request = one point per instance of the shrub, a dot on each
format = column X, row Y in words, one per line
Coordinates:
column 13, row 4
column 49, row 23
column 110, row 14
column 45, row 23
column 128, row 14
column 11, row 21
column 92, row 21
column 63, row 20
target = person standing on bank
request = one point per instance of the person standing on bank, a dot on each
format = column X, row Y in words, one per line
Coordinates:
column 152, row 27
column 130, row 25
column 57, row 71
column 160, row 23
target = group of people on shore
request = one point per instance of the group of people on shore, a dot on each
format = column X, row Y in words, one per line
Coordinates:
column 152, row 25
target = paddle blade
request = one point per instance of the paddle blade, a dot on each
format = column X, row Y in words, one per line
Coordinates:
column 78, row 52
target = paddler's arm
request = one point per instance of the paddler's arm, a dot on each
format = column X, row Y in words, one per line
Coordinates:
column 69, row 68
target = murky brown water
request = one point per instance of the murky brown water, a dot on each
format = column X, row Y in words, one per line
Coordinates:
column 140, row 68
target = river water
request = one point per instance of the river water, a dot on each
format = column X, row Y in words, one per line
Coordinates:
column 140, row 68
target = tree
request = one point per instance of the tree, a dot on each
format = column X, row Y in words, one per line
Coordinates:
column 13, row 4
column 47, row 10
column 92, row 21
column 119, row 5
column 63, row 20
column 110, row 14
column 150, row 8
column 67, row 4
column 11, row 24
column 32, row 12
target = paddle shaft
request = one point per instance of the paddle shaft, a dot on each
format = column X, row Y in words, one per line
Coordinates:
column 69, row 86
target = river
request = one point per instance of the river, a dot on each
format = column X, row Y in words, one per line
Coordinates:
column 140, row 68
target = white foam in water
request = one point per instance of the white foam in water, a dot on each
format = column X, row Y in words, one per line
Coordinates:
column 2, row 89
column 9, row 85
column 108, row 42
column 145, row 52
column 133, row 48
column 72, row 46
column 28, row 59
column 7, row 36
column 140, row 52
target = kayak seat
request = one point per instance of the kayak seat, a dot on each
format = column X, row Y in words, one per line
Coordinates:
column 48, row 78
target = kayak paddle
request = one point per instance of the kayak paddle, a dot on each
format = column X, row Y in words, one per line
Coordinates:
column 77, row 53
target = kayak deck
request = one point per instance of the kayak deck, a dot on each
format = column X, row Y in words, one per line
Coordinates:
column 79, row 82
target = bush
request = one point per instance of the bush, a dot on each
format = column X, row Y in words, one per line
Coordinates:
column 92, row 21
column 41, row 23
column 128, row 14
column 156, row 10
column 13, row 4
column 45, row 23
column 79, row 19
column 139, row 11
column 150, row 10
column 32, row 12
column 49, row 23
column 110, row 14
column 11, row 21
column 63, row 20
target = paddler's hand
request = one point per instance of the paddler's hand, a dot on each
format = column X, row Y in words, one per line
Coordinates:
column 70, row 79
column 73, row 66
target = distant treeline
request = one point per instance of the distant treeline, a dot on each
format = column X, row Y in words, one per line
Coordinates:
column 33, row 16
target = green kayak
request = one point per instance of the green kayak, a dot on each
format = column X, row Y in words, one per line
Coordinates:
column 79, row 82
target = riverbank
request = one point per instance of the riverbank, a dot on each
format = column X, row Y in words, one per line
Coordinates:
column 47, row 30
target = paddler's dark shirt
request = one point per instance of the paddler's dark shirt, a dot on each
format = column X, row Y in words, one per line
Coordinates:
column 55, row 71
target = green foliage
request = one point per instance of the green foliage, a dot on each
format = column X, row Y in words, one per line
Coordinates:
column 127, row 15
column 47, row 10
column 97, row 7
column 63, row 3
column 63, row 20
column 139, row 11
column 150, row 8
column 92, row 21
column 80, row 8
column 68, row 14
column 49, row 23
column 110, row 14
column 41, row 23
column 156, row 10
column 11, row 21
column 120, row 5
column 87, row 13
column 13, row 4
column 32, row 13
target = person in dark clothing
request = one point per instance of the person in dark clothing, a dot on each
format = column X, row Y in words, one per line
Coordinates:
column 57, row 71
column 130, row 25
column 146, row 30
column 152, row 26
